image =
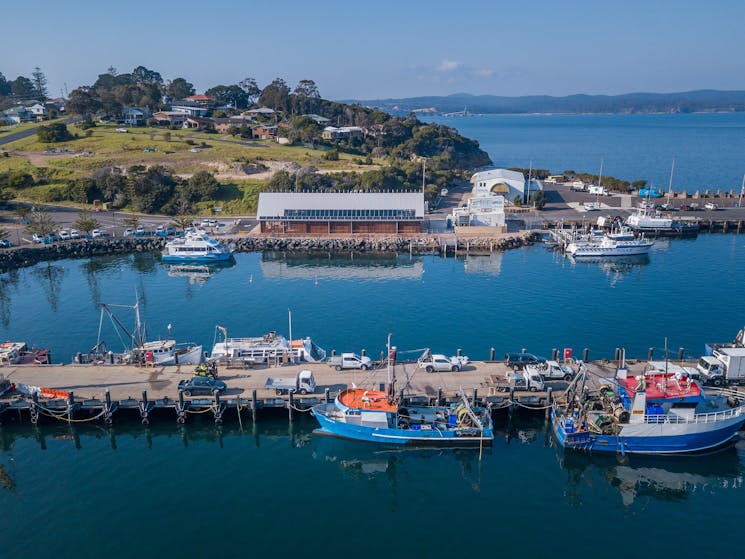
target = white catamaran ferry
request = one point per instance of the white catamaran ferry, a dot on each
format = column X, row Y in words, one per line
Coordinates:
column 196, row 246
column 263, row 349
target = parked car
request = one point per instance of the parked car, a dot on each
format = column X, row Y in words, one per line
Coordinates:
column 140, row 231
column 711, row 206
column 64, row 235
column 668, row 208
column 38, row 238
column 5, row 243
column 128, row 232
column 74, row 234
column 97, row 233
column 201, row 385
column 517, row 360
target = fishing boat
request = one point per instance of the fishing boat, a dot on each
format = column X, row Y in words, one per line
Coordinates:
column 378, row 416
column 18, row 353
column 196, row 246
column 139, row 350
column 620, row 243
column 650, row 221
column 266, row 348
column 655, row 413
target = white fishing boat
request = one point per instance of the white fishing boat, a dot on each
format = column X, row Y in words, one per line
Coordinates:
column 139, row 350
column 266, row 348
column 196, row 246
column 609, row 245
column 650, row 221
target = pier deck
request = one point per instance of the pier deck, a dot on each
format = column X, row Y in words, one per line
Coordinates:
column 100, row 391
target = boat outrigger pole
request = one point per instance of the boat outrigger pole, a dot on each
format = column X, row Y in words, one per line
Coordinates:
column 391, row 373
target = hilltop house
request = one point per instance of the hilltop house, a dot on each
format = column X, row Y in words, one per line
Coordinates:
column 135, row 116
column 264, row 132
column 16, row 115
column 173, row 119
column 508, row 183
column 189, row 108
column 334, row 133
column 39, row 111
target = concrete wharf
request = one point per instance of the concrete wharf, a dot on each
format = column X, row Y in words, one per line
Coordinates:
column 101, row 392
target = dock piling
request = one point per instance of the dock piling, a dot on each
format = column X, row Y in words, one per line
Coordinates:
column 548, row 401
column 475, row 395
column 585, row 355
column 326, row 395
column 108, row 412
column 650, row 353
column 181, row 408
column 144, row 409
column 491, row 354
column 218, row 409
column 34, row 409
column 554, row 354
column 70, row 406
column 254, row 406
column 681, row 351
column 439, row 395
column 290, row 406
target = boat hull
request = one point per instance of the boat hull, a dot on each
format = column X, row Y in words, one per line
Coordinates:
column 191, row 357
column 394, row 436
column 204, row 258
column 651, row 438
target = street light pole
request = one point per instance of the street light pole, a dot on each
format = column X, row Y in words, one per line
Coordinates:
column 742, row 188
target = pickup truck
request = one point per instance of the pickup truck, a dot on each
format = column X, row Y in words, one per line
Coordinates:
column 438, row 362
column 551, row 370
column 349, row 361
column 522, row 381
column 304, row 383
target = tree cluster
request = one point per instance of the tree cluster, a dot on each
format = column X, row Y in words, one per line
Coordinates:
column 23, row 88
column 52, row 133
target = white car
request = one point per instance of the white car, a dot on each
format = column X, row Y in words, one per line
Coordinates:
column 128, row 232
column 64, row 235
column 96, row 233
column 74, row 234
column 711, row 206
column 37, row 238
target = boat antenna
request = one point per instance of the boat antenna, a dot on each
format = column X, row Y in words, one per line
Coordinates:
column 670, row 184
column 289, row 320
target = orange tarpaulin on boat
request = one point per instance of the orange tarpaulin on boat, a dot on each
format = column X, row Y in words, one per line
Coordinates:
column 358, row 398
column 54, row 393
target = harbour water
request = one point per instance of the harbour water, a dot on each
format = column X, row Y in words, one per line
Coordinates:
column 276, row 490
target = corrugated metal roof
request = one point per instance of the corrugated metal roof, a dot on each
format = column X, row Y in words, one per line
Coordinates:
column 273, row 204
column 491, row 174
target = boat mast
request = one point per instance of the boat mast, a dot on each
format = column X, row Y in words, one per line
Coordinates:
column 670, row 184
column 391, row 373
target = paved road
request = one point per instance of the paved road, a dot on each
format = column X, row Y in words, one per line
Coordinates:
column 31, row 131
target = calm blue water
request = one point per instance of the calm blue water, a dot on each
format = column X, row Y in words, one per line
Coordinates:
column 533, row 298
column 274, row 490
column 709, row 149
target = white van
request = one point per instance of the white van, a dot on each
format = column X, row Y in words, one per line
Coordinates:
column 600, row 190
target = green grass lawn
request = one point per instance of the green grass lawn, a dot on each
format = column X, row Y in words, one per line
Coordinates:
column 184, row 151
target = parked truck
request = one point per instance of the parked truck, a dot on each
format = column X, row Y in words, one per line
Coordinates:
column 304, row 383
column 432, row 362
column 349, row 361
column 551, row 370
column 521, row 380
column 725, row 365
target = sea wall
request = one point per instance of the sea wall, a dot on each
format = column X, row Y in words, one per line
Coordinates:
column 28, row 256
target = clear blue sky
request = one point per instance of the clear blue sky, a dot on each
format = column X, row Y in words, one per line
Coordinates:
column 387, row 48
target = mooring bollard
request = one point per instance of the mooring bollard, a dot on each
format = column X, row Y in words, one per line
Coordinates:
column 554, row 354
column 617, row 354
column 585, row 355
column 475, row 395
column 363, row 352
column 459, row 352
column 326, row 396
column 650, row 353
column 439, row 395
column 680, row 353
column 491, row 354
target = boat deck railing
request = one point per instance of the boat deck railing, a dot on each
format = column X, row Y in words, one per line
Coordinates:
column 711, row 417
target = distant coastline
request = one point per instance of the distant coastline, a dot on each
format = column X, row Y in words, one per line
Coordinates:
column 462, row 104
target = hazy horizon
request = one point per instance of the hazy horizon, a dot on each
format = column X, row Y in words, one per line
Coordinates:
column 389, row 49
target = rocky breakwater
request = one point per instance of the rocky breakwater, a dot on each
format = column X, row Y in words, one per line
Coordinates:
column 84, row 248
column 425, row 244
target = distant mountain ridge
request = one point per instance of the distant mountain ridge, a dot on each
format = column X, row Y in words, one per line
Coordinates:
column 704, row 100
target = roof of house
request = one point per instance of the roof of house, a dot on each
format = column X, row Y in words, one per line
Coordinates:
column 498, row 174
column 318, row 118
column 199, row 97
column 261, row 111
column 273, row 204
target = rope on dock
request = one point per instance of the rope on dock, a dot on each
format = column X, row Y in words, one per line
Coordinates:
column 530, row 407
column 62, row 416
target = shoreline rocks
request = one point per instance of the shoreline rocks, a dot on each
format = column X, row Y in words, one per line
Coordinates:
column 21, row 257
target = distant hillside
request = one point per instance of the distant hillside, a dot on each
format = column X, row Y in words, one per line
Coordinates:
column 686, row 102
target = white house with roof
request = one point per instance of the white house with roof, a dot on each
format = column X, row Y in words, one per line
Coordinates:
column 135, row 116
column 505, row 182
column 38, row 110
column 190, row 109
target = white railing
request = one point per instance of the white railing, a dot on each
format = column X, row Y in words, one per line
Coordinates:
column 710, row 417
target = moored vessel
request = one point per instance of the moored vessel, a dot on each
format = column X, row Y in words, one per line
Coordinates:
column 196, row 246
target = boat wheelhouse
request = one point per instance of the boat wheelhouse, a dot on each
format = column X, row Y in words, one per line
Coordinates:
column 266, row 348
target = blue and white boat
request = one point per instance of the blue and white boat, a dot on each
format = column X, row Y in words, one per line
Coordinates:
column 373, row 416
column 655, row 413
column 196, row 246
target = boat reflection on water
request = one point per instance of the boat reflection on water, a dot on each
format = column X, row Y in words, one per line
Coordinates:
column 483, row 264
column 277, row 265
column 197, row 273
column 360, row 460
column 672, row 478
